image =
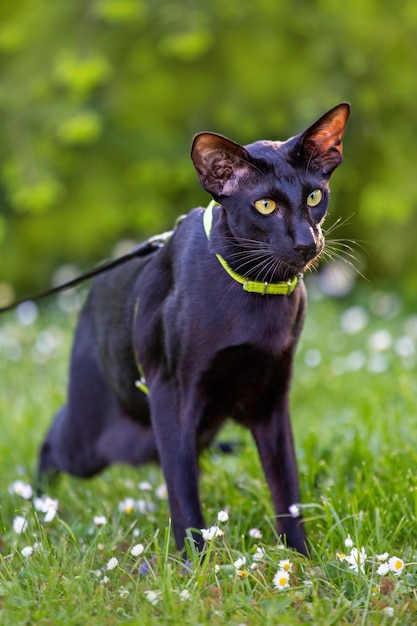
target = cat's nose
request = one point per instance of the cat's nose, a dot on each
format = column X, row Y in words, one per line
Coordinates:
column 304, row 241
column 306, row 250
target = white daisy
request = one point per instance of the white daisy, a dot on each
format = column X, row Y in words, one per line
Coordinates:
column 222, row 516
column 145, row 486
column 240, row 562
column 356, row 559
column 46, row 505
column 161, row 492
column 137, row 549
column 396, row 565
column 27, row 551
column 383, row 569
column 281, row 579
column 19, row 524
column 259, row 554
column 152, row 596
column 210, row 533
column 112, row 563
column 127, row 506
column 285, row 565
column 123, row 593
column 22, row 489
column 141, row 506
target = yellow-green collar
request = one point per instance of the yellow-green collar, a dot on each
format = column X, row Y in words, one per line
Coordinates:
column 284, row 288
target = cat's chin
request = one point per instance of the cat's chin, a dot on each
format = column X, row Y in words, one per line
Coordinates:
column 293, row 269
column 310, row 265
column 288, row 268
column 304, row 265
column 288, row 272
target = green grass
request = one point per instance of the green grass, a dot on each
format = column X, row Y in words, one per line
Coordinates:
column 356, row 437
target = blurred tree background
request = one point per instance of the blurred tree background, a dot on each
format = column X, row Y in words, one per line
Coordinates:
column 99, row 101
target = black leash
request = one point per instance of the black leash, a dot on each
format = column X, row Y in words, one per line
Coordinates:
column 143, row 249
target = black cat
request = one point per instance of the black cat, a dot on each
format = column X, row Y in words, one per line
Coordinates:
column 211, row 319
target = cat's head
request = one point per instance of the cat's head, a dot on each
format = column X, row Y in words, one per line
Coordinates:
column 274, row 193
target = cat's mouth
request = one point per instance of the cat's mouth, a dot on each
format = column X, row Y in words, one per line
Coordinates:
column 293, row 267
column 257, row 261
column 289, row 270
column 276, row 270
column 273, row 269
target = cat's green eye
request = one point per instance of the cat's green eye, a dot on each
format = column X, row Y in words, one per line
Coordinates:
column 314, row 198
column 266, row 206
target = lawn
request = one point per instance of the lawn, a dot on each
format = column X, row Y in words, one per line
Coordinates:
column 101, row 552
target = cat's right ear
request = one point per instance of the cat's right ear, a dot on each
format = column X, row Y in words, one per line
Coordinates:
column 221, row 164
column 321, row 144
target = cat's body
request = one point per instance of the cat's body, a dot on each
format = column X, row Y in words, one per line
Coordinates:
column 209, row 349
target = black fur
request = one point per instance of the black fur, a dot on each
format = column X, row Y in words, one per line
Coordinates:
column 209, row 350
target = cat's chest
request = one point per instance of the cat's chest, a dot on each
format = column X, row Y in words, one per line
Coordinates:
column 268, row 323
column 243, row 382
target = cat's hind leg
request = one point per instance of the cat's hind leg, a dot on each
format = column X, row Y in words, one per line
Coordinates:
column 92, row 431
column 84, row 452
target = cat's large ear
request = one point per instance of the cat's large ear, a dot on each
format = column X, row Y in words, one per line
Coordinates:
column 221, row 164
column 321, row 144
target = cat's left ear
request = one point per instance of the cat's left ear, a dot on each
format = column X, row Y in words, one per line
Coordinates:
column 221, row 164
column 321, row 144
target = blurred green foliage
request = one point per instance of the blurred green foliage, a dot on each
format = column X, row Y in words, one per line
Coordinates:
column 99, row 100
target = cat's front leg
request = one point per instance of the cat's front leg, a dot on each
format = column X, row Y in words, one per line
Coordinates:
column 175, row 433
column 274, row 440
